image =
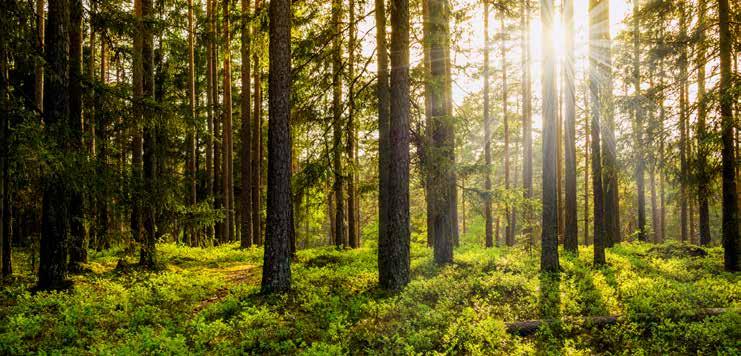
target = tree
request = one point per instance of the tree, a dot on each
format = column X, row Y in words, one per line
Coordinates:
column 527, row 139
column 210, row 99
column 393, row 246
column 509, row 235
column 339, row 231
column 611, row 207
column 683, row 119
column 137, row 153
column 276, row 272
column 246, row 164
column 39, row 65
column 731, row 251
column 191, row 135
column 598, row 84
column 257, row 144
column 703, row 176
column 55, row 207
column 77, row 246
column 571, row 231
column 227, row 145
column 549, row 235
column 487, row 134
column 353, row 208
column 148, row 252
column 638, row 125
column 441, row 155
column 6, row 263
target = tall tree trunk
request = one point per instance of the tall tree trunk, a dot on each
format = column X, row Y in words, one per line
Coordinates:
column 662, row 115
column 55, row 209
column 246, row 164
column 6, row 263
column 101, row 205
column 393, row 246
column 586, row 165
column 385, row 258
column 227, row 146
column 39, row 64
column 527, row 139
column 276, row 272
column 638, row 126
column 339, row 237
column 549, row 235
column 487, row 136
column 148, row 255
column 219, row 204
column 191, row 135
column 598, row 74
column 210, row 108
column 257, row 143
column 509, row 235
column 352, row 193
column 442, row 153
column 683, row 118
column 731, row 251
column 611, row 207
column 703, row 181
column 571, row 230
column 77, row 248
column 137, row 217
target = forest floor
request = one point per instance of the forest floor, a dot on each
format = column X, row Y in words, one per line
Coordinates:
column 207, row 301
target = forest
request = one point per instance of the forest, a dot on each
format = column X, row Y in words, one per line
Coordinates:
column 381, row 177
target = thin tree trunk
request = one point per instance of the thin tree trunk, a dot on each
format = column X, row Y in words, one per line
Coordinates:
column 352, row 193
column 487, row 135
column 638, row 128
column 609, row 149
column 393, row 247
column 276, row 272
column 571, row 230
column 39, row 64
column 148, row 256
column 731, row 251
column 339, row 237
column 703, row 189
column 586, row 166
column 246, row 237
column 138, row 140
column 210, row 99
column 191, row 136
column 6, row 261
column 549, row 236
column 227, row 146
column 509, row 235
column 683, row 191
column 527, row 140
column 257, row 143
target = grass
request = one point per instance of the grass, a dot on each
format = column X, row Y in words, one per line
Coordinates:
column 207, row 301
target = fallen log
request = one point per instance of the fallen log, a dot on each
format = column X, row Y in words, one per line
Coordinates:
column 529, row 327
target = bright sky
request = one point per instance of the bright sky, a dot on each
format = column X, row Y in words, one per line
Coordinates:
column 470, row 53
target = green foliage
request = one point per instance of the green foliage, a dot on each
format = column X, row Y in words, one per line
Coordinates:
column 207, row 301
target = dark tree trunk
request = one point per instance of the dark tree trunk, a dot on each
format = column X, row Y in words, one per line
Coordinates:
column 353, row 221
column 148, row 255
column 384, row 107
column 6, row 264
column 393, row 247
column 683, row 191
column 597, row 88
column 339, row 237
column 138, row 139
column 731, row 251
column 77, row 246
column 227, row 145
column 276, row 273
column 55, row 204
column 509, row 236
column 246, row 164
column 39, row 65
column 703, row 176
column 257, row 146
column 210, row 99
column 549, row 235
column 441, row 155
column 611, row 207
column 487, row 137
column 191, row 130
column 571, row 230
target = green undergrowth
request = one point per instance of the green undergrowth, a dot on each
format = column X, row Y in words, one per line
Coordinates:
column 207, row 301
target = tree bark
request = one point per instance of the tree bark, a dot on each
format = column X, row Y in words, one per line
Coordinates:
column 571, row 230
column 509, row 236
column 148, row 253
column 257, row 143
column 731, row 251
column 209, row 108
column 638, row 128
column 441, row 155
column 703, row 179
column 227, row 146
column 683, row 118
column 487, row 136
column 246, row 160
column 276, row 273
column 39, row 65
column 393, row 247
column 549, row 234
column 55, row 207
column 6, row 262
column 609, row 149
column 597, row 86
column 352, row 193
column 77, row 246
column 138, row 139
column 339, row 237
column 527, row 139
